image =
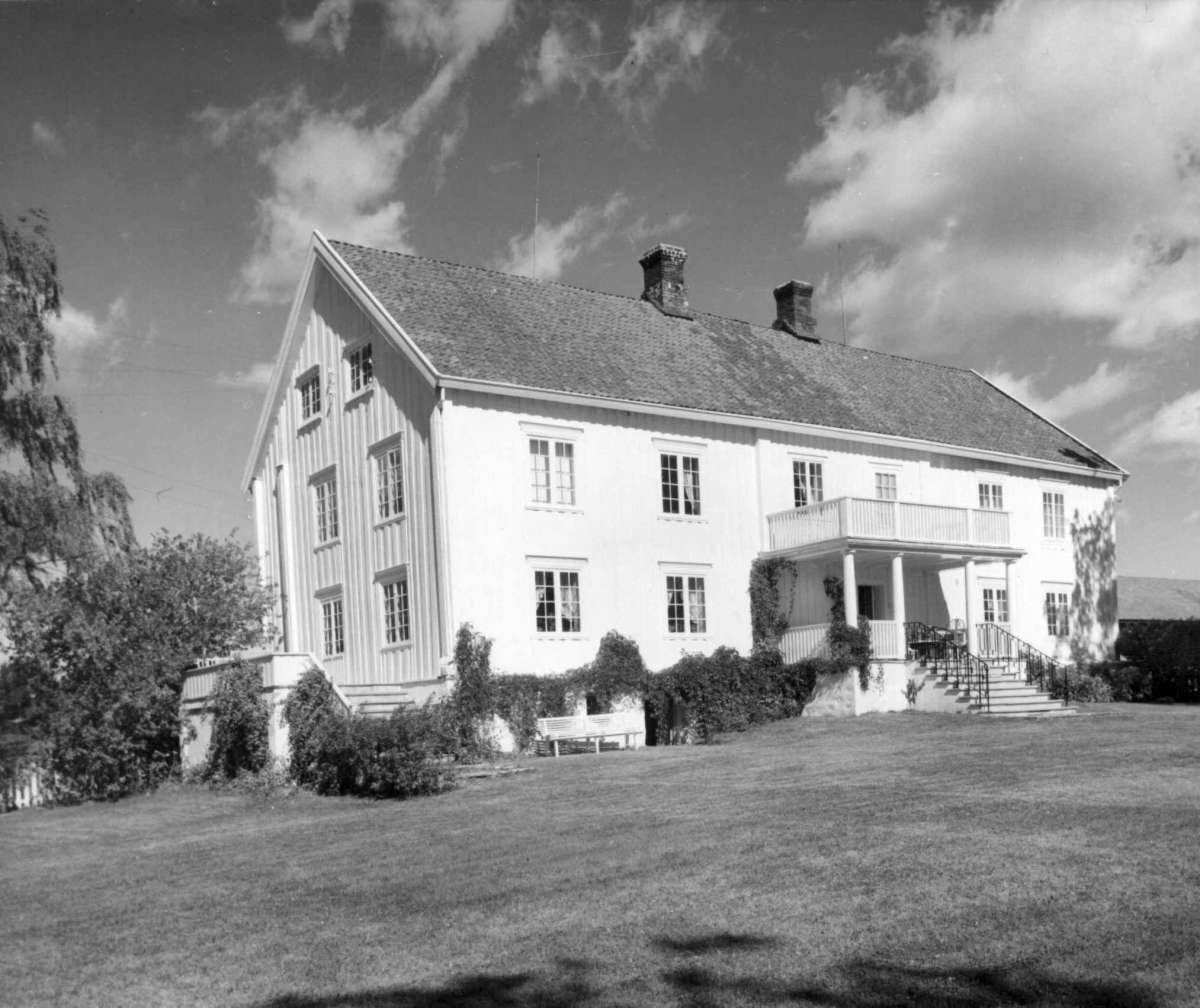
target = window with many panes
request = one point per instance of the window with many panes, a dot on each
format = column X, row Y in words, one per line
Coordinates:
column 389, row 482
column 686, row 608
column 396, row 621
column 808, row 483
column 326, row 502
column 991, row 496
column 1057, row 607
column 680, row 484
column 310, row 396
column 995, row 605
column 362, row 368
column 1054, row 522
column 551, row 471
column 333, row 627
column 885, row 486
column 557, row 601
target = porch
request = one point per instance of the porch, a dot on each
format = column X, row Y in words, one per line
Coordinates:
column 896, row 562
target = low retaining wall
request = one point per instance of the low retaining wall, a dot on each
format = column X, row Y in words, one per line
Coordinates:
column 280, row 673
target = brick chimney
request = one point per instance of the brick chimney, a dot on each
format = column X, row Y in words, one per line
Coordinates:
column 664, row 287
column 793, row 309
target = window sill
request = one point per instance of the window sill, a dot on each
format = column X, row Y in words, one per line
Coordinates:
column 548, row 637
column 393, row 520
column 333, row 657
column 328, row 544
column 686, row 636
column 684, row 519
column 310, row 424
column 361, row 396
column 405, row 645
column 555, row 508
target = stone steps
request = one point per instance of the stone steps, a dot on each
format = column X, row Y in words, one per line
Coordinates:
column 1010, row 696
column 376, row 701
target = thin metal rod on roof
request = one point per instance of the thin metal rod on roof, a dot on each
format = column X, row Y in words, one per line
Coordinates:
column 841, row 291
column 537, row 191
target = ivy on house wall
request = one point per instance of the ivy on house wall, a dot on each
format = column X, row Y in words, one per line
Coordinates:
column 769, row 612
column 849, row 646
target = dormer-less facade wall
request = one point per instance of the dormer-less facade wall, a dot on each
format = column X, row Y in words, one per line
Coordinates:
column 344, row 501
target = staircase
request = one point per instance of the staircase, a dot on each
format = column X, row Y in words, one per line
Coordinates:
column 376, row 701
column 1006, row 684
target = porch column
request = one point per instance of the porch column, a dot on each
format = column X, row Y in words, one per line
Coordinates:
column 898, row 610
column 1008, row 594
column 850, row 587
column 972, row 616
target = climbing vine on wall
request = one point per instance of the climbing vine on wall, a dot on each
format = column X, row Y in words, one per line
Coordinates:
column 768, row 610
column 849, row 646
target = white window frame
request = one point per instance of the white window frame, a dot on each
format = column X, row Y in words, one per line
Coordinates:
column 997, row 603
column 808, row 478
column 355, row 367
column 559, row 490
column 887, row 480
column 563, row 576
column 1056, row 609
column 383, row 492
column 688, row 574
column 327, row 524
column 1054, row 514
column 311, row 404
column 395, row 583
column 331, row 617
column 989, row 494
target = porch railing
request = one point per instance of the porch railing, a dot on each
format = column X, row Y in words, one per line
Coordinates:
column 944, row 654
column 898, row 521
column 798, row 643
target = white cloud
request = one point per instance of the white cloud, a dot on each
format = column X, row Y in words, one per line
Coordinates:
column 447, row 147
column 76, row 330
column 326, row 30
column 558, row 245
column 334, row 170
column 1038, row 160
column 254, row 378
column 1102, row 387
column 668, row 47
column 46, row 139
column 1174, row 428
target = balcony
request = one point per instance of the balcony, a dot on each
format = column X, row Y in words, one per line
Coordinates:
column 858, row 518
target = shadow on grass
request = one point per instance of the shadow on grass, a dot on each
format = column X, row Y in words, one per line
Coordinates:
column 853, row 983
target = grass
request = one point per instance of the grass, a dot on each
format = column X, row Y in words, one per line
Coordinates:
column 890, row 860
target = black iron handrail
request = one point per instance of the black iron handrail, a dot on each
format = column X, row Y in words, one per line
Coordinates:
column 937, row 649
column 1040, row 669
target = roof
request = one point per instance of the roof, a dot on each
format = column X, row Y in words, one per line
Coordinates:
column 484, row 325
column 1147, row 598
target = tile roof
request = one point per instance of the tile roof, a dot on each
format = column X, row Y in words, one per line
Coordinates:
column 481, row 324
column 1146, row 598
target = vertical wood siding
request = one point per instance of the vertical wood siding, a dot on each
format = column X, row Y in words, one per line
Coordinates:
column 399, row 403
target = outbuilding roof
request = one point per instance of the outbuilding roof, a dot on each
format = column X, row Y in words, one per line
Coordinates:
column 1149, row 598
column 484, row 325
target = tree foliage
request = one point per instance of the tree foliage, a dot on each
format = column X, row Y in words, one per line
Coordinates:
column 53, row 514
column 99, row 655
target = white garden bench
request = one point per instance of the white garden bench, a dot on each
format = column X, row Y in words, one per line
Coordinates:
column 627, row 725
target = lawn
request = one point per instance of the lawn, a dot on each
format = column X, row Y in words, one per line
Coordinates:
column 889, row 860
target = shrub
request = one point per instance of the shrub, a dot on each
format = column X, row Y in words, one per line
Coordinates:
column 473, row 703
column 314, row 717
column 1076, row 685
column 1127, row 682
column 409, row 754
column 1169, row 652
column 725, row 692
column 240, row 721
column 617, row 671
column 521, row 699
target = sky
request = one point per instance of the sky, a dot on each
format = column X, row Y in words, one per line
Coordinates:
column 1011, row 187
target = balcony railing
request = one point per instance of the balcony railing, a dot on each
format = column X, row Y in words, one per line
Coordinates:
column 898, row 521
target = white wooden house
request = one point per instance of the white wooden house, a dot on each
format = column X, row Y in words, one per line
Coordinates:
column 443, row 443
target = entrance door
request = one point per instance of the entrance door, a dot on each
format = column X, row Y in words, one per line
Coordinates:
column 868, row 597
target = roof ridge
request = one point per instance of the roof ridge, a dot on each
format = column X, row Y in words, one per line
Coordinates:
column 846, row 347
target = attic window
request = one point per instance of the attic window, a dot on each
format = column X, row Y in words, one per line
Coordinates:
column 310, row 396
column 362, row 368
